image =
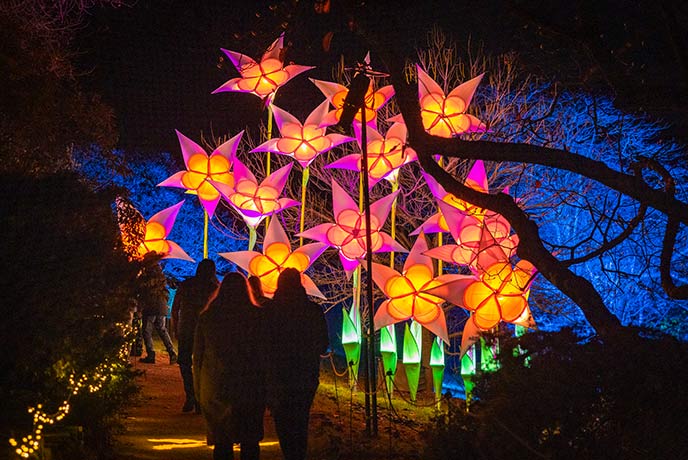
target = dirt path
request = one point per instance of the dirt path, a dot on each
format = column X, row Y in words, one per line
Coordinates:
column 156, row 428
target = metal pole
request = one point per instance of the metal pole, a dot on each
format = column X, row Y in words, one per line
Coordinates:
column 371, row 378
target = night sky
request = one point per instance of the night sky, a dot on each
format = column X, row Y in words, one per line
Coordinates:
column 157, row 62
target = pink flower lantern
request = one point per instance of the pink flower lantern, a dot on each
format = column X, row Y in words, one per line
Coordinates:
column 303, row 142
column 276, row 256
column 409, row 293
column 158, row 228
column 256, row 201
column 261, row 78
column 446, row 116
column 386, row 154
column 336, row 94
column 348, row 232
column 202, row 170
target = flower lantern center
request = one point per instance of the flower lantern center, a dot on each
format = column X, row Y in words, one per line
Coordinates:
column 500, row 294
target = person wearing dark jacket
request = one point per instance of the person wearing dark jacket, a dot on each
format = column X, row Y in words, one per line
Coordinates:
column 151, row 298
column 228, row 367
column 298, row 337
column 193, row 295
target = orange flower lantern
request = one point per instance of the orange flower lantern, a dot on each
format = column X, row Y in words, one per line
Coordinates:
column 202, row 169
column 261, row 78
column 158, row 228
column 256, row 201
column 348, row 233
column 277, row 255
column 500, row 294
column 409, row 294
column 446, row 116
column 386, row 154
column 303, row 142
column 336, row 94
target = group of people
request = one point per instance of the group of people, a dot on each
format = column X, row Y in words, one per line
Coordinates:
column 240, row 353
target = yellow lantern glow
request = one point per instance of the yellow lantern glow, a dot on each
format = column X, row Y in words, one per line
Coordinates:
column 336, row 94
column 386, row 154
column 303, row 142
column 202, row 168
column 277, row 256
column 412, row 294
column 158, row 228
column 446, row 116
column 348, row 232
column 499, row 294
column 261, row 78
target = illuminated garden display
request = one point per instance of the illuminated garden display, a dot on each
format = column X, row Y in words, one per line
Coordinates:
column 490, row 283
column 480, row 237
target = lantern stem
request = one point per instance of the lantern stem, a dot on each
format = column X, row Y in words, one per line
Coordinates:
column 267, row 165
column 304, row 184
column 393, row 229
column 252, row 237
column 205, row 233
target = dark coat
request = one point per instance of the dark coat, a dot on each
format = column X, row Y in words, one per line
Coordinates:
column 298, row 337
column 229, row 374
column 192, row 296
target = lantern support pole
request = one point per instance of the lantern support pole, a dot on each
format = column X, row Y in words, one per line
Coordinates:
column 371, row 377
column 205, row 233
column 353, row 103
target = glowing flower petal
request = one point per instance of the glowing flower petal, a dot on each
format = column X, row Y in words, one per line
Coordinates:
column 256, row 201
column 264, row 78
column 336, row 94
column 446, row 116
column 158, row 228
column 202, row 170
column 348, row 233
column 410, row 292
column 303, row 142
column 500, row 293
column 386, row 154
column 277, row 255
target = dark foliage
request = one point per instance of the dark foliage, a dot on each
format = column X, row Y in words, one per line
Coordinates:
column 563, row 399
column 66, row 285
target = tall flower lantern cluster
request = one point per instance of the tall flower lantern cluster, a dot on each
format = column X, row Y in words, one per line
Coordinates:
column 496, row 290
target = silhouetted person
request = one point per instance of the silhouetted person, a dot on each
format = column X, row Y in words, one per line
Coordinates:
column 151, row 298
column 298, row 336
column 257, row 290
column 192, row 296
column 229, row 375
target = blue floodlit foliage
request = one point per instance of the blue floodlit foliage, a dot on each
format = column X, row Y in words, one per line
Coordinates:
column 146, row 173
column 576, row 215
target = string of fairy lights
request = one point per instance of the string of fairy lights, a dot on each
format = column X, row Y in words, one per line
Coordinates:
column 30, row 445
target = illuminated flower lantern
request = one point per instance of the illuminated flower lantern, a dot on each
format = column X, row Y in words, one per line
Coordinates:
column 409, row 292
column 276, row 257
column 303, row 142
column 348, row 232
column 202, row 169
column 498, row 291
column 261, row 78
column 386, row 154
column 478, row 242
column 476, row 179
column 256, row 201
column 351, row 341
column 158, row 228
column 336, row 94
column 445, row 116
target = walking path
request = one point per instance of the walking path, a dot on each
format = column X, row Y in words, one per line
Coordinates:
column 157, row 429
